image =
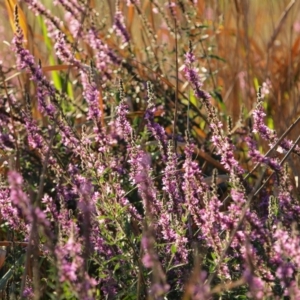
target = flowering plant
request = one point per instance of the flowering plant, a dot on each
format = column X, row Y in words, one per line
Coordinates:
column 112, row 193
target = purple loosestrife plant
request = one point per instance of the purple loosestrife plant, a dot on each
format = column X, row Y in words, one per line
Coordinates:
column 119, row 212
column 140, row 171
column 38, row 9
column 44, row 88
column 155, row 129
column 139, row 160
column 10, row 213
column 159, row 286
column 171, row 183
column 123, row 126
column 194, row 79
column 265, row 132
column 258, row 289
column 75, row 10
column 63, row 51
column 22, row 202
column 193, row 186
column 198, row 288
column 71, row 266
column 140, row 175
column 18, row 197
column 288, row 206
column 119, row 25
column 257, row 157
column 286, row 257
column 91, row 94
column 223, row 144
column 104, row 57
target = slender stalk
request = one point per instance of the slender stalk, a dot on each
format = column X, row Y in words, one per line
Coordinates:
column 176, row 88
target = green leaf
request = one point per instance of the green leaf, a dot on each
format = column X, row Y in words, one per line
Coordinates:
column 176, row 266
column 213, row 255
column 117, row 266
column 214, row 56
column 55, row 74
column 193, row 99
column 256, row 84
column 173, row 249
column 270, row 123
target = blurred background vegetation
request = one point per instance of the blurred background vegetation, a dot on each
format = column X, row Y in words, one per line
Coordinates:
column 255, row 41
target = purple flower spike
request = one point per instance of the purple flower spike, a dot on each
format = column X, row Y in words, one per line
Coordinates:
column 119, row 27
